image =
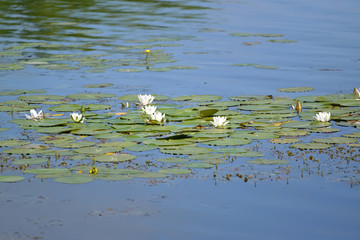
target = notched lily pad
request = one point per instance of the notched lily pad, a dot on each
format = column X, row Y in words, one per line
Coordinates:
column 11, row 178
column 296, row 89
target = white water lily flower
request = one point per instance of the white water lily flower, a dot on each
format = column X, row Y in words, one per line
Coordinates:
column 78, row 118
column 323, row 116
column 34, row 115
column 356, row 92
column 149, row 109
column 158, row 116
column 146, row 99
column 219, row 121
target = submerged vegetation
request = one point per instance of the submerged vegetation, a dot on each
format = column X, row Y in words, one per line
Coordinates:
column 125, row 137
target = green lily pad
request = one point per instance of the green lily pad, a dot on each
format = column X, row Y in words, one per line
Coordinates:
column 173, row 160
column 186, row 150
column 13, row 143
column 310, row 146
column 4, row 129
column 149, row 175
column 30, row 161
column 228, row 150
column 175, row 171
column 48, row 171
column 11, row 178
column 208, row 112
column 98, row 85
column 74, row 179
column 249, row 154
column 229, row 142
column 335, row 140
column 296, row 89
column 115, row 158
column 199, row 165
column 285, row 140
column 268, row 161
column 141, row 148
column 90, row 96
column 198, row 98
column 111, row 177
column 97, row 150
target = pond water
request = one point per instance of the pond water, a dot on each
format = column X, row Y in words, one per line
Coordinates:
column 223, row 48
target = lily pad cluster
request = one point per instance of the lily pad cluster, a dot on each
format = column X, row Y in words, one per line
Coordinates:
column 130, row 57
column 115, row 143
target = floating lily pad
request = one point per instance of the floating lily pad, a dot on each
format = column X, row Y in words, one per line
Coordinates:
column 149, row 175
column 115, row 158
column 30, row 161
column 310, row 146
column 208, row 112
column 296, row 89
column 173, row 160
column 268, row 161
column 175, row 171
column 48, row 171
column 199, row 165
column 97, row 150
column 141, row 148
column 4, row 129
column 74, row 179
column 13, row 143
column 90, row 96
column 231, row 150
column 198, row 98
column 11, row 178
column 98, row 85
column 229, row 142
column 335, row 140
column 186, row 150
column 285, row 140
column 111, row 177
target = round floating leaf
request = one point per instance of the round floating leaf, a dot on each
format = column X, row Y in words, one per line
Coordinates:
column 229, row 142
column 173, row 160
column 198, row 98
column 30, row 161
column 186, row 150
column 11, row 178
column 74, row 179
column 149, row 175
column 296, row 89
column 89, row 96
column 292, row 133
column 113, row 177
column 208, row 112
column 13, row 143
column 324, row 130
column 353, row 135
column 335, row 140
column 285, row 140
column 268, row 162
column 4, row 129
column 134, row 98
column 199, row 165
column 115, row 158
column 207, row 157
column 175, row 171
column 310, row 146
column 141, row 148
column 97, row 150
column 249, row 154
column 300, row 124
column 48, row 171
column 127, row 70
column 74, row 145
column 230, row 151
column 98, row 85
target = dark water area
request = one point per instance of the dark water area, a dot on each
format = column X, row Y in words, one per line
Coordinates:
column 292, row 43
